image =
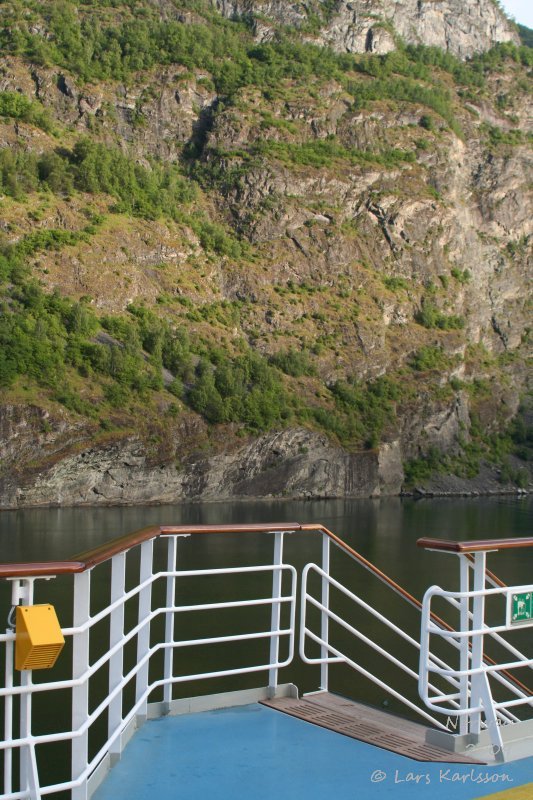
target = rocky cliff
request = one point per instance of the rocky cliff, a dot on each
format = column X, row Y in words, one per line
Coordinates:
column 373, row 26
column 291, row 463
column 243, row 265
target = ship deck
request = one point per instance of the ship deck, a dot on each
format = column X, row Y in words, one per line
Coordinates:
column 256, row 751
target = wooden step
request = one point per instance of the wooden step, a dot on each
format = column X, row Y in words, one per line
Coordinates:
column 367, row 724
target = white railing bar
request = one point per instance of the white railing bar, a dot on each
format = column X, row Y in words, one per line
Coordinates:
column 143, row 612
column 80, row 692
column 18, row 795
column 465, row 711
column 172, row 557
column 342, row 657
column 65, row 735
column 365, row 639
column 275, row 611
column 364, row 605
column 464, row 651
column 505, row 704
column 502, row 704
column 437, row 699
column 238, row 637
column 93, row 620
column 464, row 634
column 443, row 698
column 324, row 619
column 447, row 594
column 356, row 599
column 8, row 717
column 92, row 669
column 359, row 635
column 116, row 635
column 260, row 601
column 488, row 668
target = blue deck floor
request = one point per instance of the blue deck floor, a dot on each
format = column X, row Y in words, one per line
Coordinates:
column 258, row 753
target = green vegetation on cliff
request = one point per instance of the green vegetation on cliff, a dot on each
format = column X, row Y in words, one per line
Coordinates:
column 261, row 234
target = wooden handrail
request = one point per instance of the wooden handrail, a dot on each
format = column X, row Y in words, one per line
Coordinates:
column 90, row 558
column 367, row 565
column 474, row 546
column 40, row 569
column 252, row 527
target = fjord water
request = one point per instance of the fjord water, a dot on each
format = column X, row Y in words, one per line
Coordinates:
column 383, row 530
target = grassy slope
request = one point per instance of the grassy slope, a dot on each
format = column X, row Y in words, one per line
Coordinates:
column 87, row 220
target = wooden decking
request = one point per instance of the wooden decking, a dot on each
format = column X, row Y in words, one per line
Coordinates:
column 366, row 724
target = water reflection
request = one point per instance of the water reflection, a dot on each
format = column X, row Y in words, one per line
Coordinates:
column 375, row 527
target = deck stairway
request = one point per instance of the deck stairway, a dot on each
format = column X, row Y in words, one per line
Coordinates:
column 367, row 724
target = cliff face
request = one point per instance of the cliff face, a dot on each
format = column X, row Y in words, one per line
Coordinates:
column 292, row 463
column 370, row 26
column 356, row 251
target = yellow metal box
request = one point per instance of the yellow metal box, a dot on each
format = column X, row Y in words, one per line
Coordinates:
column 38, row 637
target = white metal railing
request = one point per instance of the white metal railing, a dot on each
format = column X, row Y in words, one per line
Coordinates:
column 473, row 672
column 331, row 654
column 130, row 682
column 490, row 693
column 339, row 657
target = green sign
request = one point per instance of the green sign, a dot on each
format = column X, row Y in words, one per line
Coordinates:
column 521, row 607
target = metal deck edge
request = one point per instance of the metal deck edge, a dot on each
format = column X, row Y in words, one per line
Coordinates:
column 211, row 702
column 517, row 738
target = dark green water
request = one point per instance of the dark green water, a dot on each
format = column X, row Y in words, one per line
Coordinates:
column 383, row 530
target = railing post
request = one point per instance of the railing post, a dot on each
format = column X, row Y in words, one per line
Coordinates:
column 23, row 594
column 116, row 662
column 478, row 619
column 275, row 618
column 172, row 546
column 17, row 593
column 80, row 693
column 143, row 637
column 464, row 652
column 324, row 618
column 481, row 693
column 8, row 717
